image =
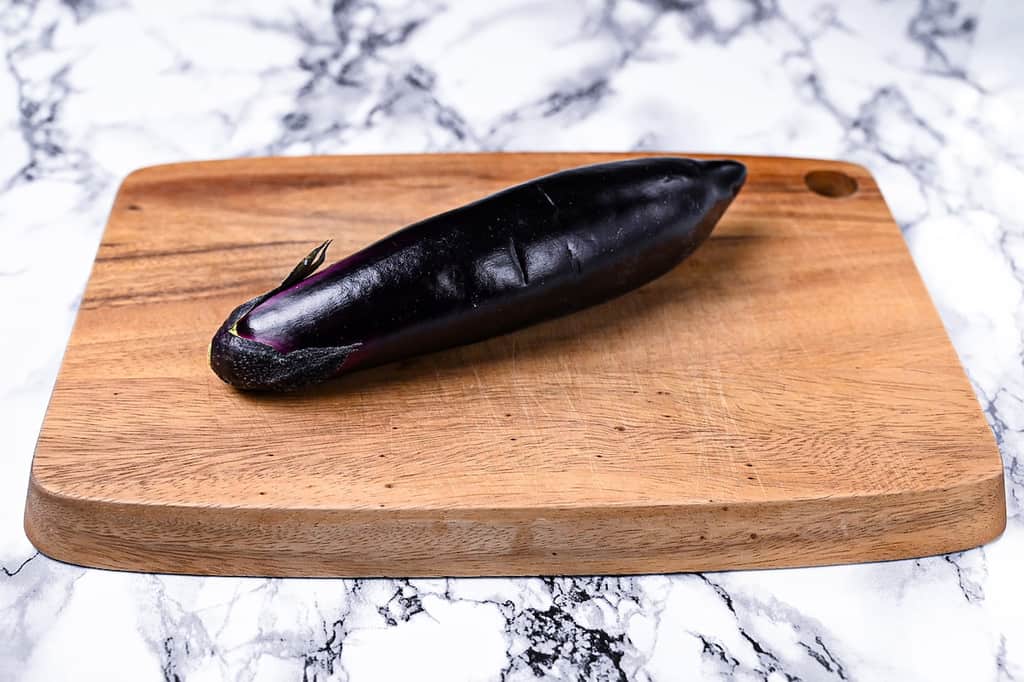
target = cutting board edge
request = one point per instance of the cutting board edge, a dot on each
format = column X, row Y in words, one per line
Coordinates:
column 135, row 537
column 163, row 171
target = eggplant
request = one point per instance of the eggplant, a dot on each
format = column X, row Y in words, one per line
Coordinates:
column 535, row 251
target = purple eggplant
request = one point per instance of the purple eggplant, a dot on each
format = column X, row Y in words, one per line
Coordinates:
column 539, row 250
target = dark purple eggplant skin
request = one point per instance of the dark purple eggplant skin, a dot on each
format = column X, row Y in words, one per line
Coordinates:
column 539, row 250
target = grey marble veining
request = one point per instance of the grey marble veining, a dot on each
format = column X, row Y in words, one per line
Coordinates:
column 927, row 94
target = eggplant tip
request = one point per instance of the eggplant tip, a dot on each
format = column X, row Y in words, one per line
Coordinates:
column 729, row 175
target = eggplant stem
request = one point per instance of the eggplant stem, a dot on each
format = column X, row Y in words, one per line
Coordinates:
column 306, row 267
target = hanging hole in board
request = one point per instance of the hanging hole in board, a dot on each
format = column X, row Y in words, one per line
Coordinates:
column 831, row 184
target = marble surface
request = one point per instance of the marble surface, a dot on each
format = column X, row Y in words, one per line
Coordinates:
column 928, row 94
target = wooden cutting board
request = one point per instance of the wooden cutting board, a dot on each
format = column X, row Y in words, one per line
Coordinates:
column 786, row 397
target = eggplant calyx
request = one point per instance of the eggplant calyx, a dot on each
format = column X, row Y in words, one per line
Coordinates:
column 306, row 267
column 251, row 365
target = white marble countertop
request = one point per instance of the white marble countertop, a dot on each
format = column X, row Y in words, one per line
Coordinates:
column 928, row 94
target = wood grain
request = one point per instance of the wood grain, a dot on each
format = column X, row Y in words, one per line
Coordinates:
column 786, row 397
